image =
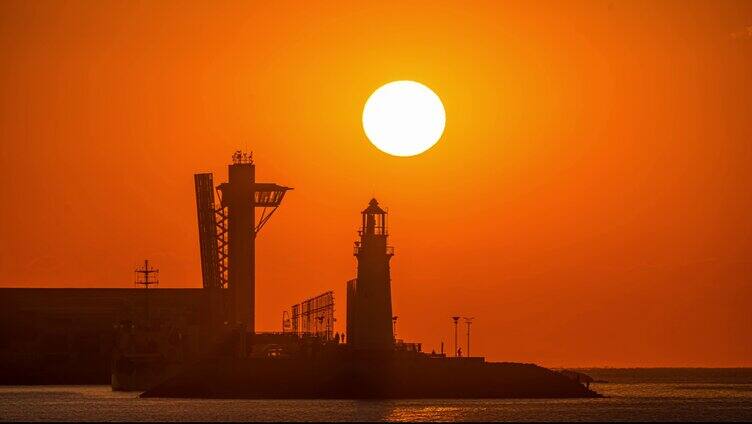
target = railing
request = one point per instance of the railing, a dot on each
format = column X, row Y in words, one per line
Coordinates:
column 400, row 344
column 377, row 231
column 358, row 248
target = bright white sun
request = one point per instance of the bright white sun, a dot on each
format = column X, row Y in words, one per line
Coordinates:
column 404, row 118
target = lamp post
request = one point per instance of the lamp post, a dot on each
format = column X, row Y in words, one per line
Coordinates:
column 468, row 321
column 455, row 319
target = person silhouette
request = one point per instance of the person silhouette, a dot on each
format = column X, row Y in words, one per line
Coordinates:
column 459, row 352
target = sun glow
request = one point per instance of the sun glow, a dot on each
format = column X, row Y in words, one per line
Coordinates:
column 404, row 118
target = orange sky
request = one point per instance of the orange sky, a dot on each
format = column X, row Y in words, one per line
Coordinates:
column 589, row 202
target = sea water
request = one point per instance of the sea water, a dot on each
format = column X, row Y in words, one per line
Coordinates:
column 630, row 395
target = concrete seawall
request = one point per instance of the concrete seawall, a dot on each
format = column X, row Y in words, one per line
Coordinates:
column 383, row 378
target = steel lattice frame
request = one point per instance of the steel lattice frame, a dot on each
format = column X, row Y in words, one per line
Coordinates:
column 221, row 223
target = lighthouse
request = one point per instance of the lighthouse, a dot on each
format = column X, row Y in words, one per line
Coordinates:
column 369, row 297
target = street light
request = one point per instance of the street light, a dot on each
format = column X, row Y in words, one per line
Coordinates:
column 468, row 321
column 455, row 319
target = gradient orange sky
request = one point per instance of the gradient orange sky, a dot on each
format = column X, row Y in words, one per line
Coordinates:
column 589, row 202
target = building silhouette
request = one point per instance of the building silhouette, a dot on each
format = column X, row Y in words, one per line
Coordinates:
column 200, row 343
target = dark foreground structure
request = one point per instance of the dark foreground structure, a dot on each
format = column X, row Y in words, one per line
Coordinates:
column 348, row 376
column 71, row 336
column 202, row 343
column 371, row 364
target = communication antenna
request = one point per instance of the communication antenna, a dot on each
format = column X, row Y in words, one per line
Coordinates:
column 146, row 276
column 143, row 275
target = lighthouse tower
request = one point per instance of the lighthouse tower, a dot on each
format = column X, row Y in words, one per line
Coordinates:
column 369, row 297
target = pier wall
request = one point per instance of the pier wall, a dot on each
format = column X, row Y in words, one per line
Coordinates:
column 66, row 336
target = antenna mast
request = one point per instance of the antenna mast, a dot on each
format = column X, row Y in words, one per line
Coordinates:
column 143, row 275
column 144, row 278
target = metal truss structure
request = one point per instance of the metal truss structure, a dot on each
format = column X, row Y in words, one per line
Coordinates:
column 213, row 221
column 313, row 317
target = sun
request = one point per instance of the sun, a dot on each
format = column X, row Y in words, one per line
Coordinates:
column 404, row 118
